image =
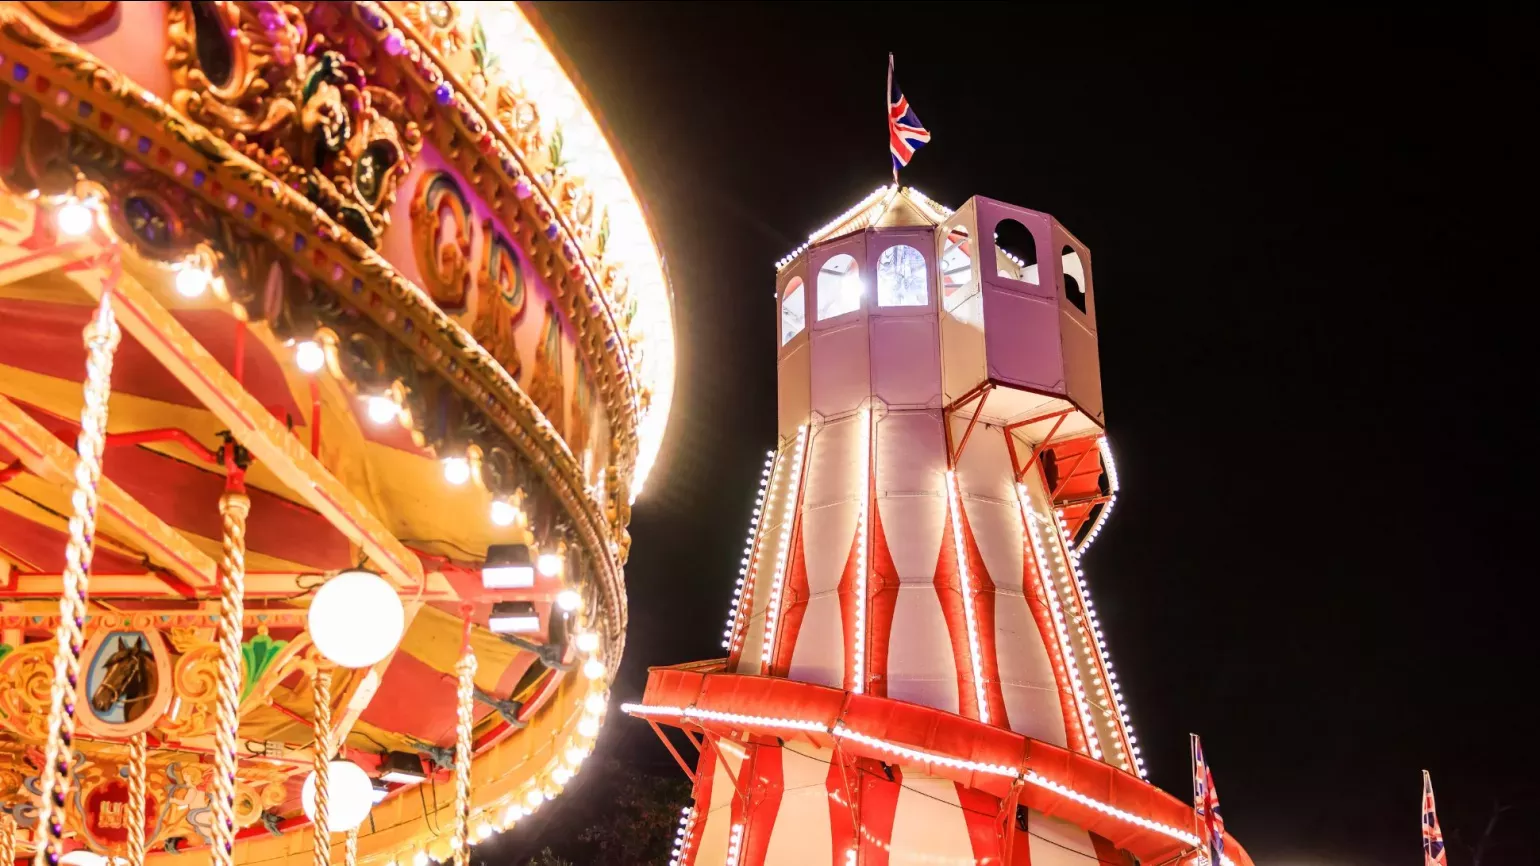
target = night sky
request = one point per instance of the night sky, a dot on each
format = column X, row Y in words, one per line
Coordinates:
column 1315, row 346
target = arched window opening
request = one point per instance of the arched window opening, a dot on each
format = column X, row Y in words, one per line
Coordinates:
column 1074, row 278
column 956, row 264
column 901, row 277
column 839, row 287
column 793, row 311
column 1015, row 252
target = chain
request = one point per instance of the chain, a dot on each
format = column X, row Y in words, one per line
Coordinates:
column 233, row 508
column 466, row 668
column 323, row 744
column 137, row 768
column 101, row 339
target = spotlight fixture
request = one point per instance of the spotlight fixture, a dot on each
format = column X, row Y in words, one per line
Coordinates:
column 75, row 217
column 309, row 356
column 403, row 768
column 457, row 470
column 508, row 566
column 569, row 600
column 514, row 617
column 382, row 409
column 381, row 791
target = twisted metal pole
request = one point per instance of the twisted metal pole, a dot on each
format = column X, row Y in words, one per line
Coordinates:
column 234, row 506
column 350, row 857
column 138, row 759
column 7, row 836
column 322, row 690
column 101, row 339
column 464, row 719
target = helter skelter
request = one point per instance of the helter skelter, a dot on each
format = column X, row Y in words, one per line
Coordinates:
column 334, row 347
column 915, row 672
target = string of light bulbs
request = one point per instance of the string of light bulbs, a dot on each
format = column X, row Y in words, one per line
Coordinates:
column 777, row 584
column 970, row 617
column 743, row 594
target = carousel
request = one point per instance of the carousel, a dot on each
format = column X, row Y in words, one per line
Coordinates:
column 334, row 349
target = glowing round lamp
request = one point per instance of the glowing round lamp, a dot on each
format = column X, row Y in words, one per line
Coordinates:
column 588, row 727
column 351, row 796
column 594, row 704
column 587, row 641
column 503, row 513
column 561, row 775
column 593, row 669
column 309, row 356
column 382, row 410
column 533, row 798
column 568, row 600
column 192, row 281
column 83, row 857
column 457, row 470
column 75, row 218
column 575, row 756
column 549, row 564
column 356, row 619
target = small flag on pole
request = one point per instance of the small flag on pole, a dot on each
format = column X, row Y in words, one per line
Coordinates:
column 1205, row 801
column 1432, row 836
column 905, row 132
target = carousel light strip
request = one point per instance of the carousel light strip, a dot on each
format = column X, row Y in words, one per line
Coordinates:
column 843, row 733
column 1112, row 495
column 681, row 853
column 975, row 651
column 789, row 507
column 1060, row 627
column 1118, row 718
column 735, row 845
column 863, row 552
column 737, row 618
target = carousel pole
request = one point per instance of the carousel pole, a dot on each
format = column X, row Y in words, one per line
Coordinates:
column 234, row 506
column 322, row 685
column 101, row 339
column 466, row 668
column 351, row 851
column 137, row 768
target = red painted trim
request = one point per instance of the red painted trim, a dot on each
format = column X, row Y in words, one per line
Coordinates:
column 981, row 813
column 937, row 732
column 879, row 807
column 767, row 783
column 882, row 601
column 950, row 595
column 705, row 774
column 1037, row 601
column 845, row 591
column 842, row 786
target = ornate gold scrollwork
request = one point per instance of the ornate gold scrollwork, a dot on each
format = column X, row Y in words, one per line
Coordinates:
column 441, row 229
column 233, row 65
column 27, row 672
column 72, row 17
column 195, row 681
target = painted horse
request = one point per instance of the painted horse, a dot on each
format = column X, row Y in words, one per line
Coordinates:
column 129, row 677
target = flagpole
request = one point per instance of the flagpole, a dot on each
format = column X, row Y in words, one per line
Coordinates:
column 887, row 97
column 1192, row 747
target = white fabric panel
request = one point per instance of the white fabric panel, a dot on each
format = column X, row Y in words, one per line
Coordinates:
column 920, row 665
column 793, row 386
column 1058, row 843
column 985, row 468
column 830, row 505
column 1026, row 675
column 802, row 835
column 911, row 453
column 719, row 818
column 819, row 656
column 906, row 361
column 928, row 831
column 840, row 378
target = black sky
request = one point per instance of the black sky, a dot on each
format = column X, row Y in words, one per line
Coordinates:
column 1316, row 342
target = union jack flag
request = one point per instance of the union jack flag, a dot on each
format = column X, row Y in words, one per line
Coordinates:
column 1432, row 836
column 905, row 132
column 1205, row 801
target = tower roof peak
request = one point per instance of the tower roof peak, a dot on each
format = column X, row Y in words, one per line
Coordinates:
column 889, row 205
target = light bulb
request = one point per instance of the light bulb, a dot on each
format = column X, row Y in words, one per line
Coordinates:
column 192, row 280
column 533, row 797
column 309, row 356
column 561, row 775
column 550, row 564
column 457, row 470
column 588, row 726
column 595, row 704
column 382, row 410
column 75, row 217
column 587, row 641
column 356, row 619
column 575, row 755
column 569, row 600
column 503, row 512
column 593, row 669
column 350, row 795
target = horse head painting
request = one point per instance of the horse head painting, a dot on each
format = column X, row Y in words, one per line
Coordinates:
column 125, row 681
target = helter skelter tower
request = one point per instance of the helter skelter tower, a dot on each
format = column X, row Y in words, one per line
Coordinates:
column 915, row 671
